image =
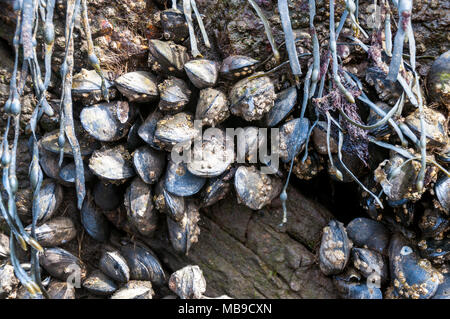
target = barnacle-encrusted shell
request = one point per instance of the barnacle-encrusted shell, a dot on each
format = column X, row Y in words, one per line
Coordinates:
column 112, row 164
column 174, row 25
column 334, row 249
column 212, row 107
column 188, row 282
column 167, row 57
column 237, row 66
column 435, row 126
column 138, row 86
column 252, row 98
column 173, row 129
column 174, row 95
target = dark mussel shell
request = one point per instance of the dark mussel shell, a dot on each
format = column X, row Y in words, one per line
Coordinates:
column 55, row 232
column 334, row 249
column 168, row 203
column 49, row 163
column 434, row 224
column 4, row 246
column 188, row 282
column 237, row 66
column 404, row 214
column 254, row 188
column 143, row 263
column 202, row 73
column 60, row 290
column 442, row 190
column 138, row 202
column 107, row 122
column 293, row 136
column 115, row 266
column 179, row 181
column 212, row 107
column 61, row 264
column 149, row 164
column 217, row 188
column 98, row 283
column 138, row 86
column 166, row 57
column 67, row 174
column 87, row 87
column 87, row 144
column 443, row 291
column 436, row 251
column 147, row 129
column 349, row 287
column 308, row 169
column 175, row 95
column 174, row 25
column 135, row 289
column 436, row 127
column 370, row 234
column 438, row 80
column 211, row 156
column 175, row 129
column 112, row 164
column 50, row 198
column 283, row 105
column 94, row 222
column 319, row 139
column 185, row 232
column 370, row 264
column 133, row 138
column 386, row 90
column 383, row 130
column 412, row 277
column 252, row 98
column 106, row 195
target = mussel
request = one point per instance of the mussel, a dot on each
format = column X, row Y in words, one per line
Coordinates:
column 138, row 86
column 335, row 248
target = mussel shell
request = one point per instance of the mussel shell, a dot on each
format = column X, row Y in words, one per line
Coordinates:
column 55, row 232
column 174, row 25
column 138, row 86
column 237, row 66
column 369, row 233
column 443, row 291
column 383, row 130
column 283, row 105
column 334, row 249
column 68, row 174
column 87, row 87
column 149, row 164
column 175, row 129
column 60, row 264
column 87, row 144
column 140, row 209
column 106, row 196
column 175, row 95
column 254, row 188
column 50, row 198
column 254, row 139
column 308, row 169
column 112, row 164
column 115, row 266
column 61, row 290
column 252, row 98
column 436, row 251
column 185, row 232
column 8, row 280
column 211, row 156
column 4, row 246
column 436, row 127
column 179, row 181
column 350, row 288
column 49, row 163
column 143, row 263
column 212, row 107
column 188, row 282
column 135, row 289
column 319, row 139
column 107, row 122
column 168, row 203
column 202, row 73
column 442, row 190
column 293, row 136
column 133, row 138
column 412, row 277
column 167, row 57
column 94, row 222
column 388, row 91
column 370, row 264
column 217, row 188
column 98, row 283
column 433, row 223
column 438, row 80
column 147, row 129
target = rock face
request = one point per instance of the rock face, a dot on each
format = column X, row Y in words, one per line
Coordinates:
column 244, row 254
